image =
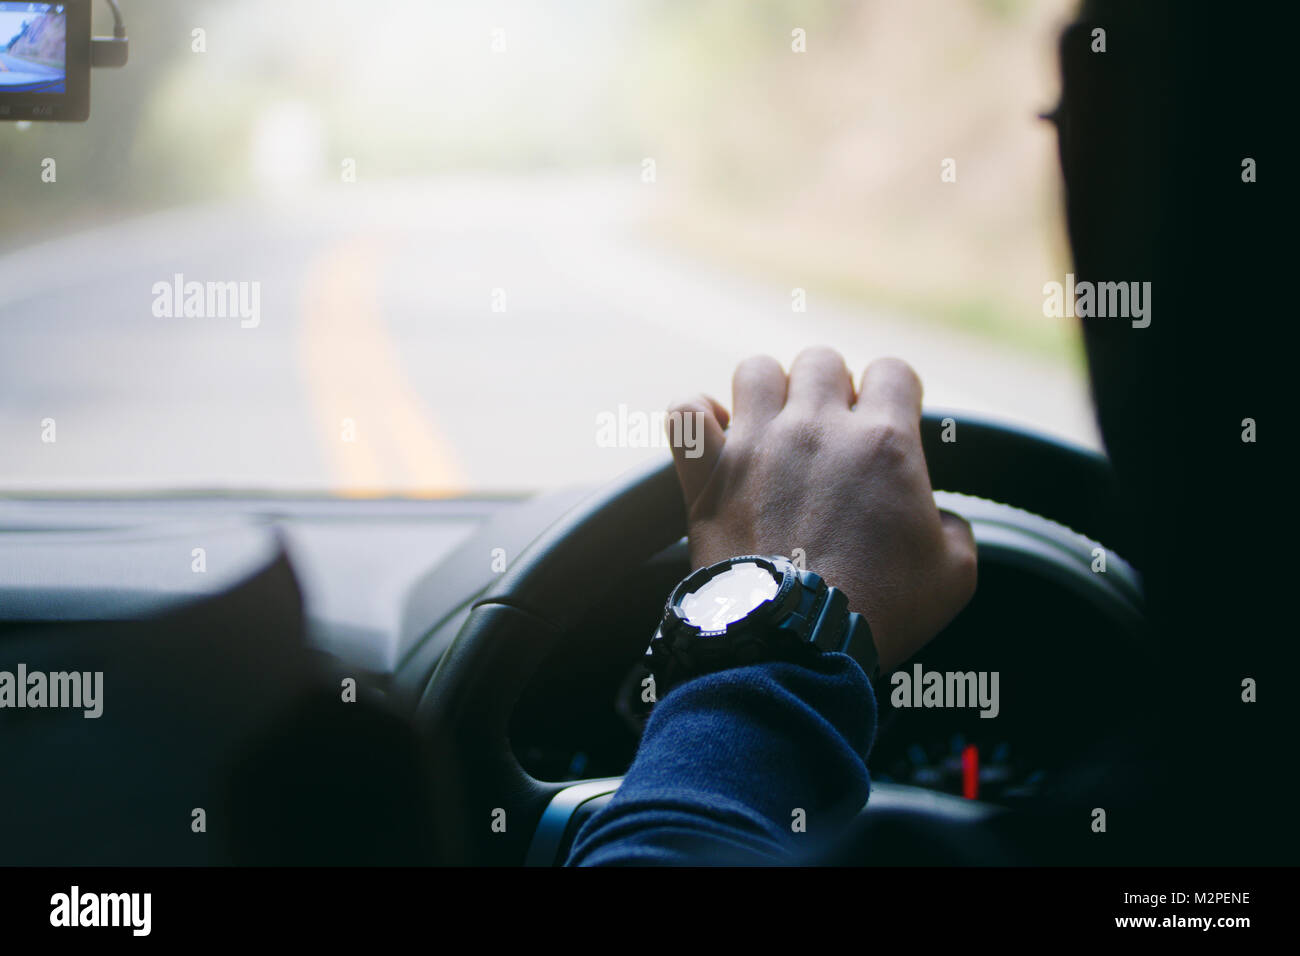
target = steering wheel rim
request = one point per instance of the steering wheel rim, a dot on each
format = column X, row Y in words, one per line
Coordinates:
column 488, row 807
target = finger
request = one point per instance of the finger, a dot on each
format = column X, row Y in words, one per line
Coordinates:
column 962, row 551
column 715, row 407
column 757, row 391
column 819, row 378
column 719, row 411
column 890, row 390
column 695, row 432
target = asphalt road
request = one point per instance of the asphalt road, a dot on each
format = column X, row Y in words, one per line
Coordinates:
column 378, row 362
column 34, row 77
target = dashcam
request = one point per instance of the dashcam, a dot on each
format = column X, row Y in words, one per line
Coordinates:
column 46, row 53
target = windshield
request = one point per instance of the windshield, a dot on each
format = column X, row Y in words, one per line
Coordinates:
column 374, row 247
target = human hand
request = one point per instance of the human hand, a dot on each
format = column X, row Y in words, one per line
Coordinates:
column 809, row 463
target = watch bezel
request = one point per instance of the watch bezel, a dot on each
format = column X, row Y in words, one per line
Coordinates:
column 768, row 611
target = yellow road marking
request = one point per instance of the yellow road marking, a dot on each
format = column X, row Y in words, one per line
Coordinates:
column 353, row 372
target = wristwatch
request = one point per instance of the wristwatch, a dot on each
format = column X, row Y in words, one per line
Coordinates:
column 750, row 609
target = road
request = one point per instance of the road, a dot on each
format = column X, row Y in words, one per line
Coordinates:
column 382, row 359
column 32, row 77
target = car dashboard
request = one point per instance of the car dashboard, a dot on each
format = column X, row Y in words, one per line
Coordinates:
column 385, row 585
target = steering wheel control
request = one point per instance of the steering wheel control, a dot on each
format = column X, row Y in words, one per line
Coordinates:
column 749, row 609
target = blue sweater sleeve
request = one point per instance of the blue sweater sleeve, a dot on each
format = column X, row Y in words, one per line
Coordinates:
column 753, row 765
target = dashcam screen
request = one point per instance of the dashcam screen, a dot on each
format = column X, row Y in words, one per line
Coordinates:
column 33, row 47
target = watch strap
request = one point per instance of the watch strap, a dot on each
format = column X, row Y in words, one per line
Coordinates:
column 847, row 632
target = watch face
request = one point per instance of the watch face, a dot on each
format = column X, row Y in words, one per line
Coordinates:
column 729, row 596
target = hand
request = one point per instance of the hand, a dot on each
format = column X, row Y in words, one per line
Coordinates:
column 809, row 464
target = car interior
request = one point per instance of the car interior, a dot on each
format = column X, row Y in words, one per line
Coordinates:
column 403, row 596
column 201, row 535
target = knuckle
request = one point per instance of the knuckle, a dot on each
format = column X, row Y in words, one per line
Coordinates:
column 896, row 367
column 757, row 366
column 819, row 355
column 687, row 406
column 799, row 433
column 888, row 442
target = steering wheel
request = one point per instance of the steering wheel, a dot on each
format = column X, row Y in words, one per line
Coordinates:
column 489, row 810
